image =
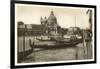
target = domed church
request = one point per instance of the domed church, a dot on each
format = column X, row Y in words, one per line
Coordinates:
column 50, row 23
column 47, row 27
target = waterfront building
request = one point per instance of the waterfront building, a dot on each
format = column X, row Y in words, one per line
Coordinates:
column 48, row 27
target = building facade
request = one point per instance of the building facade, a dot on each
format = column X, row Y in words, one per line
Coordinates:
column 47, row 27
column 50, row 23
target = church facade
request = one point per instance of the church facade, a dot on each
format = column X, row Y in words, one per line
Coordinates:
column 50, row 23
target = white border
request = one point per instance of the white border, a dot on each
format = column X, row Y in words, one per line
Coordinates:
column 52, row 61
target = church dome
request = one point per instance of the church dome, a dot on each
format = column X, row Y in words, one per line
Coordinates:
column 52, row 18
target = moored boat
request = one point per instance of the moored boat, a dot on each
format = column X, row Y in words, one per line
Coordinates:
column 57, row 42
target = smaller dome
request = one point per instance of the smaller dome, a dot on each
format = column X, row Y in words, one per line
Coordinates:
column 41, row 19
column 45, row 19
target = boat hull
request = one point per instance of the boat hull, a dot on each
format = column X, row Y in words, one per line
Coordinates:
column 57, row 44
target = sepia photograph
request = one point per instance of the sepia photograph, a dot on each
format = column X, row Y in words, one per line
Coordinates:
column 46, row 34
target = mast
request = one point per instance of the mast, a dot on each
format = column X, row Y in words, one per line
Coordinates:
column 75, row 21
column 75, row 25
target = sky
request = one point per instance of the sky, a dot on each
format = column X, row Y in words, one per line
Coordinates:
column 66, row 16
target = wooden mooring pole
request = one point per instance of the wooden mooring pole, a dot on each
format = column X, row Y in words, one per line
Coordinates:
column 34, row 48
column 76, row 54
column 17, row 44
column 24, row 43
column 84, row 45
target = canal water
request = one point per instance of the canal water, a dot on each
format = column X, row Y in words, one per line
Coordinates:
column 57, row 54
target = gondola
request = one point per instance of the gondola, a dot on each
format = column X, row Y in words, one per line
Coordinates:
column 57, row 43
column 43, row 39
